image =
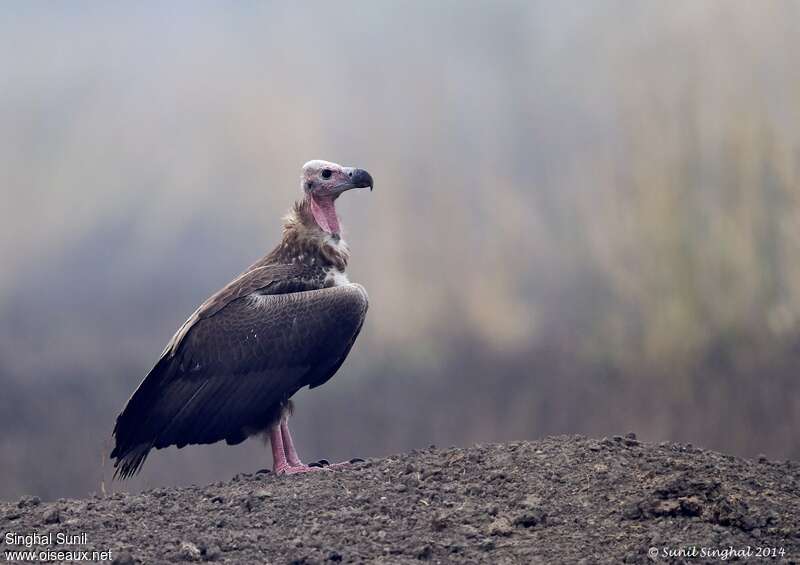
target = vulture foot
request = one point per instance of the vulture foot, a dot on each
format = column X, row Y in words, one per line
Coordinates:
column 285, row 459
column 295, row 470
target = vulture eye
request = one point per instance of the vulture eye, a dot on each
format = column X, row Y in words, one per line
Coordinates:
column 326, row 173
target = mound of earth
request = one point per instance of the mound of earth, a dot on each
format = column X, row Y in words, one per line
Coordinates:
column 558, row 500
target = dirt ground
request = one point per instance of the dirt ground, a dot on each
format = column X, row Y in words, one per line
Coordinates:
column 558, row 500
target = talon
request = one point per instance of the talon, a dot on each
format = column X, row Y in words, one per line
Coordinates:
column 357, row 460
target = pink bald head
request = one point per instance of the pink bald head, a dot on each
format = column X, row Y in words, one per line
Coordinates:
column 323, row 182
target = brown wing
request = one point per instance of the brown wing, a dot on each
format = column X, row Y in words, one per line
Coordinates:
column 227, row 375
column 255, row 279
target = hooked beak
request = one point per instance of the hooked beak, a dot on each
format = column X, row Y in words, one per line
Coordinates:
column 359, row 178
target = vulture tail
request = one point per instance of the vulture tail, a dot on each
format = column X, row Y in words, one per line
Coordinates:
column 134, row 431
column 129, row 464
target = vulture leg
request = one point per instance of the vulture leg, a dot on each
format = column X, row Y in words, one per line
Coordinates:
column 284, row 456
column 288, row 445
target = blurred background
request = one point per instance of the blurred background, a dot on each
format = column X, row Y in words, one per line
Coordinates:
column 586, row 218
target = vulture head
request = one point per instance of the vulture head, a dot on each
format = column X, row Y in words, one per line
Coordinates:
column 323, row 182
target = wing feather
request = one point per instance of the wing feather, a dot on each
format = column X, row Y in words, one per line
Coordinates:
column 231, row 370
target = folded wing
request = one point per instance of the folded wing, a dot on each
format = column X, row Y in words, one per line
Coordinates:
column 229, row 370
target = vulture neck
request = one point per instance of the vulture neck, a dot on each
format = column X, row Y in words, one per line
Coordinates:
column 305, row 240
column 324, row 212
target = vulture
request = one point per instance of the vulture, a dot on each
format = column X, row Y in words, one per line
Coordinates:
column 288, row 321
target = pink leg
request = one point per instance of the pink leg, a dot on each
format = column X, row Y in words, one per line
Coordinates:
column 284, row 456
column 288, row 445
column 285, row 459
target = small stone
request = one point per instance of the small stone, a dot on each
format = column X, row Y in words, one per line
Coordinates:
column 212, row 552
column 691, row 506
column 123, row 558
column 531, row 501
column 424, row 552
column 439, row 523
column 630, row 435
column 666, row 507
column 632, row 511
column 401, row 488
column 334, row 556
column 411, row 482
column 251, row 503
column 26, row 501
column 487, row 544
column 473, row 490
column 530, row 518
column 500, row 527
column 189, row 551
column 762, row 458
column 52, row 516
column 428, row 473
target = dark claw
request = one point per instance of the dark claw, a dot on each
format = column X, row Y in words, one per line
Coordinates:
column 263, row 471
column 320, row 463
column 356, row 460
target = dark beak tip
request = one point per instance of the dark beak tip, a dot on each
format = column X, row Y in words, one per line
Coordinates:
column 362, row 179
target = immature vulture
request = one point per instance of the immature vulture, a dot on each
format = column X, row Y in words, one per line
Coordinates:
column 288, row 321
